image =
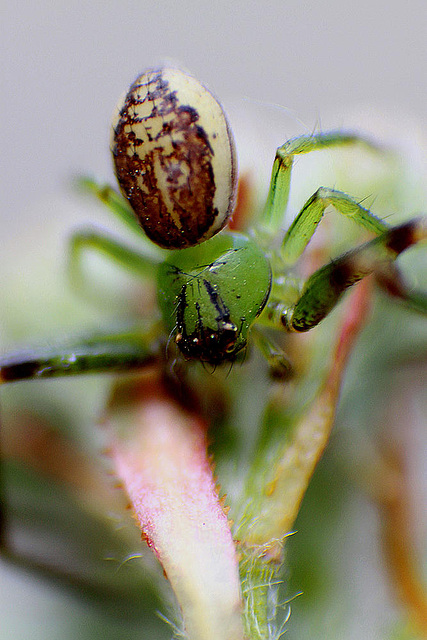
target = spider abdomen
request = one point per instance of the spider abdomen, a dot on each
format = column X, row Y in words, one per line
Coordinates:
column 174, row 158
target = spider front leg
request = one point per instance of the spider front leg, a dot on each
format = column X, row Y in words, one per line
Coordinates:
column 325, row 286
column 278, row 194
column 122, row 351
column 305, row 224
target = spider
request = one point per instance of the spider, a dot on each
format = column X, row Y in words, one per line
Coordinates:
column 175, row 161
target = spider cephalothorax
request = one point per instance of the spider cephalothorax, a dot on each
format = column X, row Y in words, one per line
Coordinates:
column 214, row 302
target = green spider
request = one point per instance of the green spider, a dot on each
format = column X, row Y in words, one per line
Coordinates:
column 175, row 162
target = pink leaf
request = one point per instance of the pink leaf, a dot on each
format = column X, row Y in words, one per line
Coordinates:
column 160, row 454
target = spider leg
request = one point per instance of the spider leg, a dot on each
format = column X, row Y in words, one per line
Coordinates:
column 114, row 201
column 325, row 286
column 122, row 351
column 278, row 194
column 280, row 367
column 306, row 222
column 93, row 239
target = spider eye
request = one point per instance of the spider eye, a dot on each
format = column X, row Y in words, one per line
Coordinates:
column 174, row 158
column 229, row 337
column 230, row 347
